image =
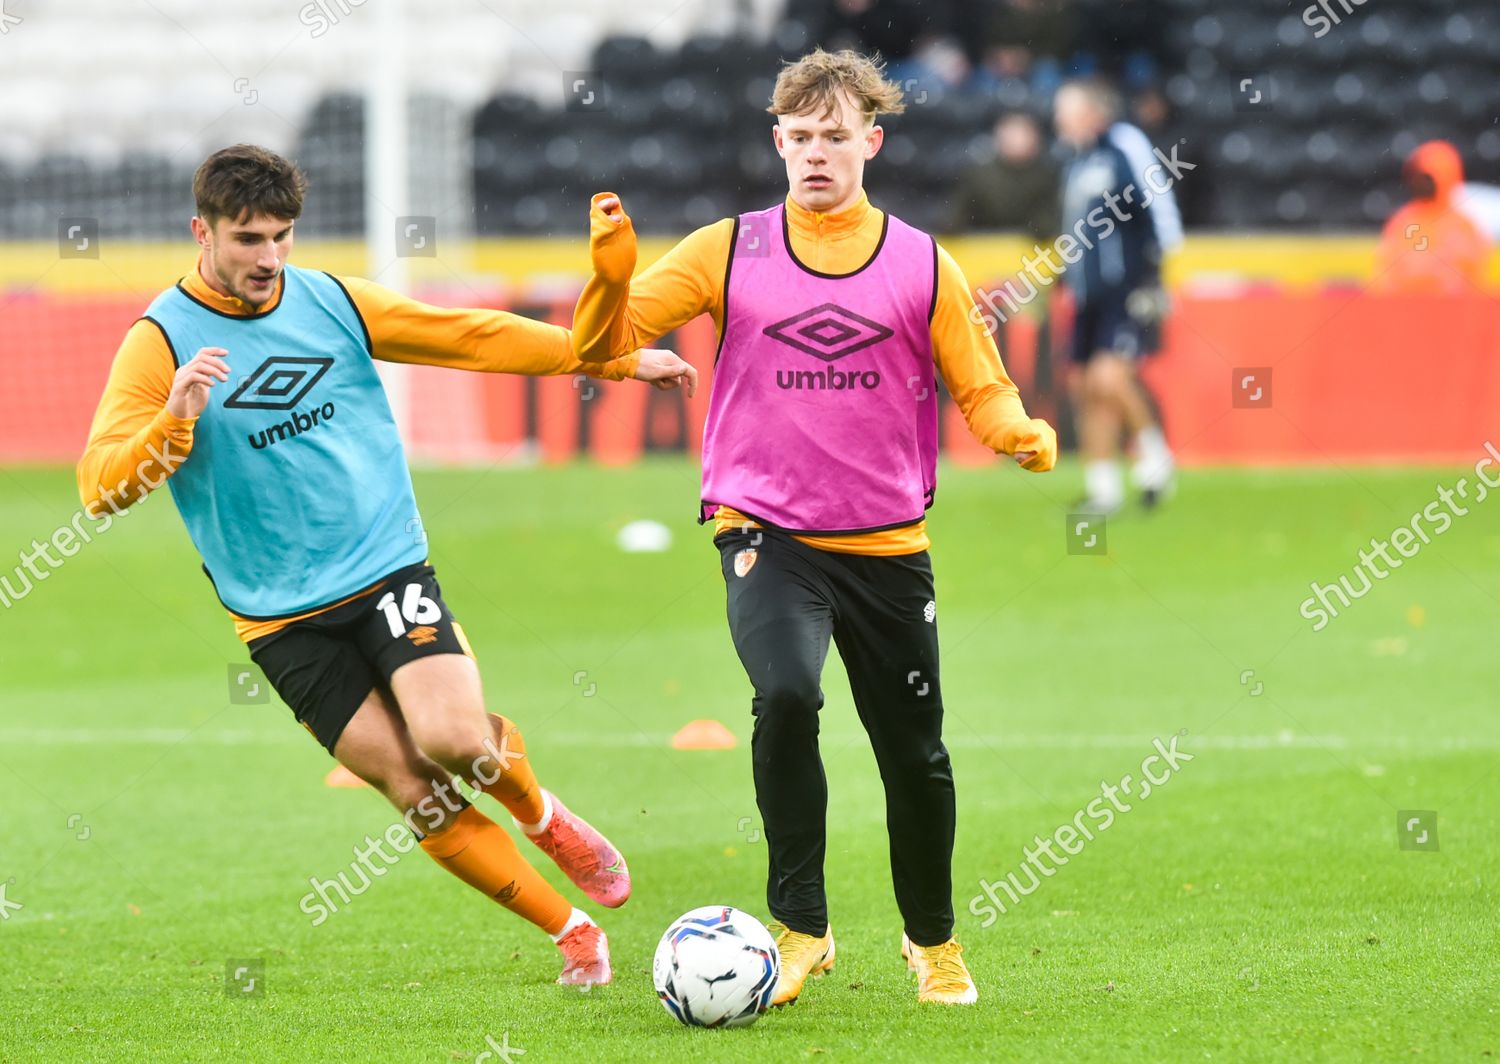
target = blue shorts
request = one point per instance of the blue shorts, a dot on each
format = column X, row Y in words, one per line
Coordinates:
column 1107, row 325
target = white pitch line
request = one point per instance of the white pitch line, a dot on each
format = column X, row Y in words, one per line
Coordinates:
column 17, row 737
column 146, row 736
column 1188, row 742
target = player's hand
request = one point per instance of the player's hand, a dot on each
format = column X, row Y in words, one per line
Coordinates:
column 189, row 394
column 611, row 239
column 666, row 371
column 1036, row 451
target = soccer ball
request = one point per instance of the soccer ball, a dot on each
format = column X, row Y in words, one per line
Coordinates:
column 716, row 967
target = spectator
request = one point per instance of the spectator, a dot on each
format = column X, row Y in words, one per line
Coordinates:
column 1430, row 245
column 1152, row 114
column 1014, row 191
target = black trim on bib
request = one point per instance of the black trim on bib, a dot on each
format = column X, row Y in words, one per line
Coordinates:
column 931, row 310
column 163, row 330
column 734, row 239
column 280, row 295
column 703, row 505
column 786, row 239
column 307, row 609
column 369, row 344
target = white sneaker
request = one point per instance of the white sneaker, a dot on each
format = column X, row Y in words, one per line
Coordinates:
column 1156, row 479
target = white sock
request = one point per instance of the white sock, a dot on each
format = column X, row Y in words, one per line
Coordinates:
column 1153, row 444
column 1104, row 483
column 541, row 825
column 1153, row 468
column 578, row 918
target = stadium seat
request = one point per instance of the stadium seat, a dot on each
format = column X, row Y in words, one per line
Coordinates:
column 690, row 115
column 626, row 57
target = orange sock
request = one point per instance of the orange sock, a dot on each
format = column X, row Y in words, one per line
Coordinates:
column 517, row 788
column 478, row 851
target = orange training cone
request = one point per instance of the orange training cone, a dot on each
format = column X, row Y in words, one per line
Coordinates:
column 704, row 735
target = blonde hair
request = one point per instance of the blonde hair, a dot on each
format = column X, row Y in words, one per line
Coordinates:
column 1104, row 96
column 812, row 84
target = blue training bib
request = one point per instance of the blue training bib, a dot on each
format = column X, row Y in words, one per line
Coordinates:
column 296, row 491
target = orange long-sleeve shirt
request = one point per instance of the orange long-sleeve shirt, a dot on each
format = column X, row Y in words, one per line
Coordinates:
column 135, row 443
column 617, row 314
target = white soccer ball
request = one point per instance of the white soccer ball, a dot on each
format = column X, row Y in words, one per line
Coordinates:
column 644, row 537
column 716, row 967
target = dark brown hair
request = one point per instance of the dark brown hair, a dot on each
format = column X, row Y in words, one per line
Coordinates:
column 244, row 181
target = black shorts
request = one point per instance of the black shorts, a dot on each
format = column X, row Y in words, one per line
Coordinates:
column 1128, row 326
column 325, row 666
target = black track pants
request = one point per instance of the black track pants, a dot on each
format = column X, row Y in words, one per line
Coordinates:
column 785, row 601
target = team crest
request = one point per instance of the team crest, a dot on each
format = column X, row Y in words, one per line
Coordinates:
column 744, row 561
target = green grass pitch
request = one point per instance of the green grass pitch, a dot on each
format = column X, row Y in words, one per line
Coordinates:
column 1255, row 907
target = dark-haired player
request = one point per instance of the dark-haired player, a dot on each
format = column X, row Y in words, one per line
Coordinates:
column 250, row 389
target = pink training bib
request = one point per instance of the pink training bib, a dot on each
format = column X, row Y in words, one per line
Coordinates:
column 824, row 416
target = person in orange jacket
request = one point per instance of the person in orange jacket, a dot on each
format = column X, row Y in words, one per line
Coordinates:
column 1430, row 245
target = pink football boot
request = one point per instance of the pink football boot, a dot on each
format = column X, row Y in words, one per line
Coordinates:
column 586, row 857
column 585, row 952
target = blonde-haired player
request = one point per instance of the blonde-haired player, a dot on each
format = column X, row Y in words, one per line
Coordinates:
column 819, row 462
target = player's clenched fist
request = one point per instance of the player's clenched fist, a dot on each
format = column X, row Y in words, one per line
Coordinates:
column 190, row 387
column 611, row 239
column 1036, row 451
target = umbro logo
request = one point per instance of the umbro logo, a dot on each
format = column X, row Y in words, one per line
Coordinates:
column 278, row 383
column 829, row 332
column 422, row 635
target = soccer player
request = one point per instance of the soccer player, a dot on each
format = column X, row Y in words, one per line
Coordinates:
column 249, row 389
column 1117, row 210
column 819, row 463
